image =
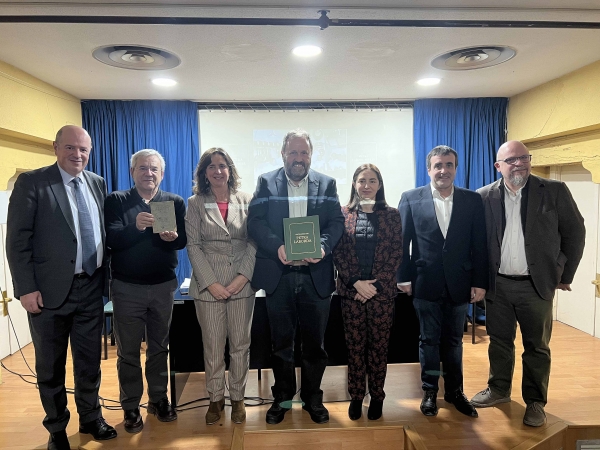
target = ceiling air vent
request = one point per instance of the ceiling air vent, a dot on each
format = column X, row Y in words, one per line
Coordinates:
column 135, row 57
column 473, row 57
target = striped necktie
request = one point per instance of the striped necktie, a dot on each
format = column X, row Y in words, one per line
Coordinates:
column 86, row 229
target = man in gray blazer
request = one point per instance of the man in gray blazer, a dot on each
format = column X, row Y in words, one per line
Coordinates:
column 55, row 249
column 535, row 240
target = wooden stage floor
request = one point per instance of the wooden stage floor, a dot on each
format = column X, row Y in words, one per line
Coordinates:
column 574, row 398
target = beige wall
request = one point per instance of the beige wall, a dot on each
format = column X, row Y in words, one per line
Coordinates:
column 31, row 112
column 560, row 120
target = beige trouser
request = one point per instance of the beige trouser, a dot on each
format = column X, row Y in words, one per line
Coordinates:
column 220, row 321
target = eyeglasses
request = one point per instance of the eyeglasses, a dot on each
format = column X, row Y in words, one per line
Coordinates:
column 514, row 159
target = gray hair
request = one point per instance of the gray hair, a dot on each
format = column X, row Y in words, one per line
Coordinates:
column 442, row 150
column 297, row 133
column 144, row 154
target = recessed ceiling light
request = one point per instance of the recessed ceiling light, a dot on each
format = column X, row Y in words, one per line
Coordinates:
column 135, row 57
column 164, row 82
column 428, row 81
column 307, row 50
column 473, row 57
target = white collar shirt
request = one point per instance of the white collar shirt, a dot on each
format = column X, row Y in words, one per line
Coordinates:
column 513, row 260
column 94, row 213
column 443, row 208
column 297, row 197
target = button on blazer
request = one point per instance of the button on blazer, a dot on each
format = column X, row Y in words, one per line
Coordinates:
column 218, row 251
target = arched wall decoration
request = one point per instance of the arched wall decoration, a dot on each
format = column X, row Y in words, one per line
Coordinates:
column 22, row 154
column 581, row 147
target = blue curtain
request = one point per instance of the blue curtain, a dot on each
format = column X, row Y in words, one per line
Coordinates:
column 121, row 128
column 474, row 127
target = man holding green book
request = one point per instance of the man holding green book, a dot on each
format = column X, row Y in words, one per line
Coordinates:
column 299, row 290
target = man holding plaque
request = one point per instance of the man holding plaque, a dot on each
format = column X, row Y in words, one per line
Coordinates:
column 145, row 227
column 299, row 289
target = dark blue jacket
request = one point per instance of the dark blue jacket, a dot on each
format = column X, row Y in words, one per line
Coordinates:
column 460, row 261
column 267, row 210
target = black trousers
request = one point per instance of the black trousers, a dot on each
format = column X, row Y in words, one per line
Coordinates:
column 78, row 319
column 294, row 302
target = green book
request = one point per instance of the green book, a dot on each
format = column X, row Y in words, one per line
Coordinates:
column 302, row 238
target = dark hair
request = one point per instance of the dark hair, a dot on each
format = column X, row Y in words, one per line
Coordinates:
column 297, row 133
column 442, row 150
column 380, row 202
column 201, row 184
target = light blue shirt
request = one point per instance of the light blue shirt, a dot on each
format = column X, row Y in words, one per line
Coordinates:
column 94, row 213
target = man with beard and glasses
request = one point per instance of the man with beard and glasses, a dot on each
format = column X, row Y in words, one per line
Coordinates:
column 535, row 240
column 298, row 292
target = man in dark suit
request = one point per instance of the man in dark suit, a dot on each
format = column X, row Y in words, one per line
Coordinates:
column 55, row 249
column 298, row 292
column 444, row 234
column 535, row 239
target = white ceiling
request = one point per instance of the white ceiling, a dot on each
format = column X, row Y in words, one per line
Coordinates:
column 254, row 63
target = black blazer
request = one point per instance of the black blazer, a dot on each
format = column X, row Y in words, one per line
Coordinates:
column 41, row 243
column 268, row 208
column 459, row 262
column 554, row 234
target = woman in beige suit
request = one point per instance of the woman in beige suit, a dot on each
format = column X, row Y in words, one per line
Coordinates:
column 222, row 260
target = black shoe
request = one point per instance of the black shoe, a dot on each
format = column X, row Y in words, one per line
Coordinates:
column 375, row 409
column 276, row 413
column 318, row 412
column 99, row 429
column 163, row 410
column 428, row 404
column 133, row 420
column 355, row 409
column 59, row 441
column 462, row 404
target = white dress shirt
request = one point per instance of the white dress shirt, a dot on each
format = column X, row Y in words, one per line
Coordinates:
column 443, row 213
column 513, row 260
column 298, row 203
column 297, row 197
column 443, row 208
column 94, row 214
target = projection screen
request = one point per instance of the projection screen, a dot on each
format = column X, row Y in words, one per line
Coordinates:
column 342, row 141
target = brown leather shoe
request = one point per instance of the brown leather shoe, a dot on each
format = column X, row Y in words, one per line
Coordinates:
column 133, row 421
column 238, row 411
column 214, row 411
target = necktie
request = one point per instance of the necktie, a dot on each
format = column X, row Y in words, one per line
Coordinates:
column 86, row 229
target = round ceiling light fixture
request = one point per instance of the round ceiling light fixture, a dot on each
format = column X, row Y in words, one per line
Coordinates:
column 470, row 58
column 164, row 82
column 428, row 81
column 307, row 50
column 136, row 57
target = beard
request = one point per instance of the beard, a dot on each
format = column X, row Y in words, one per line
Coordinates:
column 517, row 179
column 296, row 172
